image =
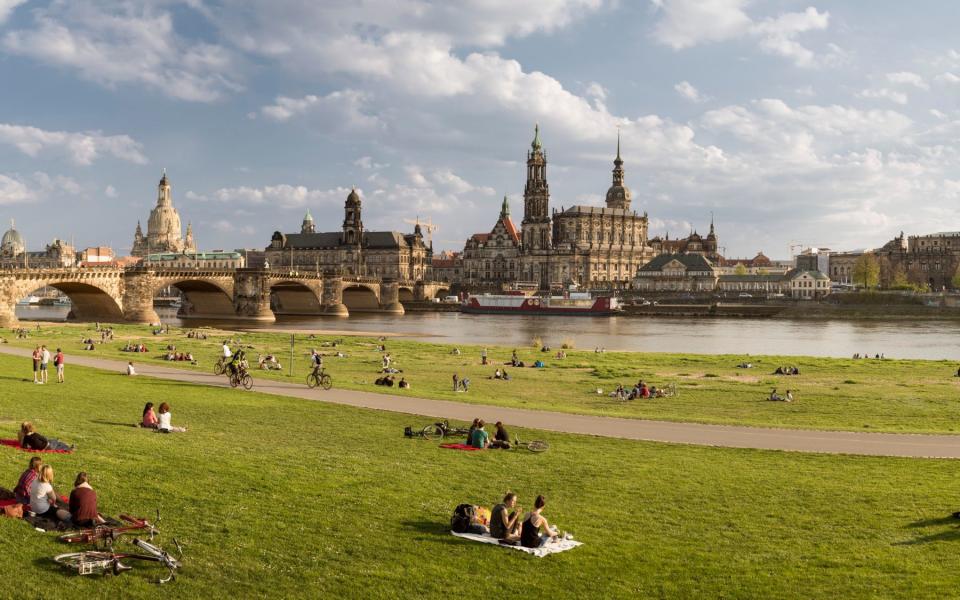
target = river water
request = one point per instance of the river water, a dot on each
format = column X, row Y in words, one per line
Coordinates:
column 837, row 338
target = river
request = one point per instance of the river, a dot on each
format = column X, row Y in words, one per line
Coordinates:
column 837, row 338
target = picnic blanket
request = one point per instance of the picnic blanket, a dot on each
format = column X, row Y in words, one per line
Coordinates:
column 16, row 444
column 467, row 447
column 549, row 548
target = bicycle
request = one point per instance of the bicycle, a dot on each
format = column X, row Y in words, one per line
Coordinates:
column 321, row 378
column 99, row 562
column 437, row 431
column 105, row 535
column 241, row 377
column 534, row 446
column 221, row 367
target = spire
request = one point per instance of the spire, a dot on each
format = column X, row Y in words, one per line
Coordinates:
column 308, row 216
column 505, row 209
column 536, row 145
column 618, row 161
column 711, row 224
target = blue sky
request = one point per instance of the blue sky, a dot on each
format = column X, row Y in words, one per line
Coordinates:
column 828, row 124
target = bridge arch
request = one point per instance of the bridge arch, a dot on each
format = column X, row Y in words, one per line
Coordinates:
column 405, row 295
column 361, row 298
column 288, row 297
column 89, row 302
column 203, row 297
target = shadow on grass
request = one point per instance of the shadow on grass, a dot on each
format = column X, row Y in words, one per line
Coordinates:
column 116, row 423
column 949, row 535
column 436, row 531
column 931, row 522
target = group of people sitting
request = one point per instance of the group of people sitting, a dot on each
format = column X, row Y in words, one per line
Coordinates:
column 179, row 356
column 640, row 390
column 161, row 423
column 776, row 397
column 268, row 362
column 196, row 335
column 390, row 381
column 501, row 374
column 858, row 356
column 30, row 439
column 507, row 522
column 35, row 490
column 562, row 354
column 478, row 437
column 787, row 371
column 745, row 365
column 21, row 333
column 130, row 347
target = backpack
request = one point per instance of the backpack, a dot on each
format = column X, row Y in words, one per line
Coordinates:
column 462, row 517
column 408, row 432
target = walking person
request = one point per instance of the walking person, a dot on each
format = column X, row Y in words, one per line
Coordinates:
column 44, row 362
column 58, row 363
column 456, row 382
column 36, row 364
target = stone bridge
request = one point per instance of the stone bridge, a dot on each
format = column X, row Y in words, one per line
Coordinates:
column 114, row 294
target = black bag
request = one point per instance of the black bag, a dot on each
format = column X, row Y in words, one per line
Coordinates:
column 462, row 517
column 408, row 432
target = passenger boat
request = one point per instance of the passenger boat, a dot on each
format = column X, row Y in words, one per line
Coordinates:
column 574, row 303
column 28, row 300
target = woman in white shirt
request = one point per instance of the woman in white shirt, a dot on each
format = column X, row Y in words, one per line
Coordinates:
column 43, row 499
column 164, row 423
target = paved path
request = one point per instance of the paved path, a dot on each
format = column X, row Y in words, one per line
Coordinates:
column 799, row 440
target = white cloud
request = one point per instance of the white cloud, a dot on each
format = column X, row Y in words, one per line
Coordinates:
column 113, row 42
column 283, row 195
column 805, row 90
column 343, row 108
column 908, row 78
column 884, row 94
column 110, row 192
column 687, row 23
column 947, row 77
column 83, row 148
column 688, row 91
column 7, row 7
column 39, row 186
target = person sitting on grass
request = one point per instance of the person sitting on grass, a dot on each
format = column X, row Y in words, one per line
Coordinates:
column 505, row 376
column 533, row 523
column 22, row 492
column 43, row 498
column 30, row 439
column 788, row 397
column 774, row 396
column 83, row 503
column 497, row 374
column 470, row 431
column 644, row 391
column 130, row 370
column 501, row 439
column 403, row 384
column 163, row 424
column 149, row 419
column 479, row 438
column 504, row 525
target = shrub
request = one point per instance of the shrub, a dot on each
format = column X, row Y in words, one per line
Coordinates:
column 567, row 344
column 537, row 342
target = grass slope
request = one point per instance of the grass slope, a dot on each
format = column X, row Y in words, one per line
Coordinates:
column 889, row 395
column 284, row 498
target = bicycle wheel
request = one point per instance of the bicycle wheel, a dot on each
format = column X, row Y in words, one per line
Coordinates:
column 247, row 381
column 432, row 432
column 234, row 381
column 219, row 368
column 326, row 382
column 86, row 563
column 312, row 381
column 538, row 446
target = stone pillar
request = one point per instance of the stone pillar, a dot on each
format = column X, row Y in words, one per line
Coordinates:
column 251, row 296
column 419, row 292
column 390, row 297
column 138, row 289
column 9, row 294
column 332, row 301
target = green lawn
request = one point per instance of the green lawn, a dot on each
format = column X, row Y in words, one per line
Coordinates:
column 284, row 498
column 872, row 395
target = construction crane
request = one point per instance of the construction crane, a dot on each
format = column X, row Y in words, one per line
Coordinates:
column 794, row 244
column 428, row 225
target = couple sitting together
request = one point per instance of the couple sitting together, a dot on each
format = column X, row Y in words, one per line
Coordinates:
column 161, row 423
column 479, row 438
column 510, row 525
column 35, row 488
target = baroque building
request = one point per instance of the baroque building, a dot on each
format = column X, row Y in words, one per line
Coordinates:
column 14, row 253
column 932, row 260
column 692, row 244
column 492, row 259
column 590, row 246
column 351, row 251
column 163, row 228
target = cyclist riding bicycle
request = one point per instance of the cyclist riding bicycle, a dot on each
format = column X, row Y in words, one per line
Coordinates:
column 317, row 360
column 236, row 363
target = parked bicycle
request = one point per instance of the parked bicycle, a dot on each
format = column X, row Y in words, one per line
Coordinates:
column 534, row 446
column 103, row 536
column 103, row 562
column 437, row 431
column 319, row 377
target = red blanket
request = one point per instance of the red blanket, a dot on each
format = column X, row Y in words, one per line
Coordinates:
column 459, row 447
column 16, row 444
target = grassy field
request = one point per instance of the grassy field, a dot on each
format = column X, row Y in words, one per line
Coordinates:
column 286, row 498
column 842, row 394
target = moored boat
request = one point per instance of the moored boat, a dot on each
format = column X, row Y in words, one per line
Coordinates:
column 569, row 304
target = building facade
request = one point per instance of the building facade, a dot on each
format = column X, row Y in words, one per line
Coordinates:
column 677, row 273
column 351, row 251
column 194, row 260
column 932, row 260
column 596, row 247
column 492, row 260
column 14, row 254
column 694, row 243
column 164, row 232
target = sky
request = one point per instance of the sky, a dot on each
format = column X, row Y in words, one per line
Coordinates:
column 827, row 124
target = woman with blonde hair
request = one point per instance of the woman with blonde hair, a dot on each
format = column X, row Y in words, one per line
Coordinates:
column 30, row 439
column 43, row 499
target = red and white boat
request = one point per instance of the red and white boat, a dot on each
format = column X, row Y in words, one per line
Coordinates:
column 571, row 304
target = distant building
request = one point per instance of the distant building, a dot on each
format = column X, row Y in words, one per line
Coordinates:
column 693, row 243
column 676, row 273
column 493, row 259
column 96, row 255
column 195, row 260
column 931, row 259
column 351, row 251
column 796, row 283
column 760, row 261
column 14, row 254
column 163, row 227
column 841, row 265
column 448, row 267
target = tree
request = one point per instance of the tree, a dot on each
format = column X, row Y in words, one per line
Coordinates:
column 739, row 269
column 866, row 271
column 956, row 279
column 899, row 280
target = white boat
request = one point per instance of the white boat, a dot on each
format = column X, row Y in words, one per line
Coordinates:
column 573, row 303
column 28, row 300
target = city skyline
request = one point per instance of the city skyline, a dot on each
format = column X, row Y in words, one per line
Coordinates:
column 789, row 122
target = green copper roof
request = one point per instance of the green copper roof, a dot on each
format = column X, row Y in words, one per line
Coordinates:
column 308, row 216
column 504, row 208
column 536, row 145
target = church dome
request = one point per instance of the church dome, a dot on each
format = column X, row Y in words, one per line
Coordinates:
column 354, row 197
column 164, row 220
column 618, row 195
column 12, row 243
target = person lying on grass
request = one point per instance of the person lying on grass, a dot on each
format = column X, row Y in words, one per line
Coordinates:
column 163, row 424
column 43, row 498
column 30, row 439
column 83, row 503
column 533, row 523
column 504, row 526
column 22, row 492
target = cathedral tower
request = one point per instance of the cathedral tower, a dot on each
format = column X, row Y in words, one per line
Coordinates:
column 536, row 199
column 352, row 225
column 618, row 196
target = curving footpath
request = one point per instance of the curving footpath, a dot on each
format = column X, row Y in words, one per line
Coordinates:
column 729, row 436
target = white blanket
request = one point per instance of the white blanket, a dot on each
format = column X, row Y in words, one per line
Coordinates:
column 548, row 548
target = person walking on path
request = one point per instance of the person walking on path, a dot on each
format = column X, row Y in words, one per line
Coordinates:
column 36, row 364
column 44, row 363
column 456, row 382
column 58, row 363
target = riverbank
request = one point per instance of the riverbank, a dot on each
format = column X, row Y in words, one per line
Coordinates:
column 835, row 394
